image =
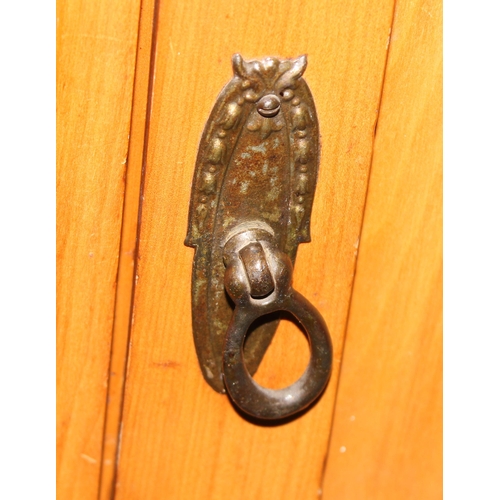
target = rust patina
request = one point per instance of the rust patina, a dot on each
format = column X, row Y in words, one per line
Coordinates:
column 256, row 169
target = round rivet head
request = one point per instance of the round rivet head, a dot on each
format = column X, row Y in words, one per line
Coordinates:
column 287, row 94
column 269, row 106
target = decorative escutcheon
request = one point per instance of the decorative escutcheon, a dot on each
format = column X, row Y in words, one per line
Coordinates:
column 251, row 205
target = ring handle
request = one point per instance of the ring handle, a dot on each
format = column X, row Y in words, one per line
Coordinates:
column 241, row 254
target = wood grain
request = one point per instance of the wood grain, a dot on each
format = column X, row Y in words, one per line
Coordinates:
column 95, row 69
column 180, row 439
column 128, row 247
column 387, row 430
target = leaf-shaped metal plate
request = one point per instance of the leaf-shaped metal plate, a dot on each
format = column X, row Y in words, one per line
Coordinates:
column 257, row 164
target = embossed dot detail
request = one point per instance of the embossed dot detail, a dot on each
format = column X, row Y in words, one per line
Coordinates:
column 203, row 199
column 301, row 134
column 287, row 94
column 212, row 169
column 250, row 96
column 222, row 134
column 300, row 199
column 245, row 84
column 296, row 101
column 303, row 168
column 240, row 101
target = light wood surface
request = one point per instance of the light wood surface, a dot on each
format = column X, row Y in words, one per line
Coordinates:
column 95, row 69
column 387, row 429
column 126, row 267
column 180, row 439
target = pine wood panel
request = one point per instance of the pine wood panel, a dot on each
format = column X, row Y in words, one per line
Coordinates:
column 387, row 429
column 95, row 70
column 128, row 246
column 180, row 439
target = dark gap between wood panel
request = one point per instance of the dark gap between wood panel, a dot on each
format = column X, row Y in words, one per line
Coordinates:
column 141, row 105
column 382, row 84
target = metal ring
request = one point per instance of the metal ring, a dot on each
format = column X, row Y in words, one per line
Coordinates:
column 265, row 403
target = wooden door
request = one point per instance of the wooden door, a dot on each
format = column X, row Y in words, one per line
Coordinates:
column 136, row 82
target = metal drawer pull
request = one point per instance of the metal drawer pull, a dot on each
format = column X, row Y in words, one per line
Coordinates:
column 251, row 204
column 247, row 250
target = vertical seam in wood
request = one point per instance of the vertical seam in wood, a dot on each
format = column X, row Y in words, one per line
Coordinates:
column 379, row 110
column 152, row 67
column 132, row 202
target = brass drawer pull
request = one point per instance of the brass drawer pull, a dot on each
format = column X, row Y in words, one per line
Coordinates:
column 251, row 204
